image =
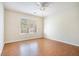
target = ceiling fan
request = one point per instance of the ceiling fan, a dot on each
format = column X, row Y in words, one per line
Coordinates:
column 43, row 5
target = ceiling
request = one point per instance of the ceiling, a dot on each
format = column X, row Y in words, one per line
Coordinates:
column 25, row 7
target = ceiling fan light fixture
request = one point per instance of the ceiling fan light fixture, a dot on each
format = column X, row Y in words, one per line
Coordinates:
column 42, row 5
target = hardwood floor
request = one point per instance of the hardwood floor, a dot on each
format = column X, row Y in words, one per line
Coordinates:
column 40, row 47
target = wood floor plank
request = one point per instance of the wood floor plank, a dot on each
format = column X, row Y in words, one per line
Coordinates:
column 40, row 47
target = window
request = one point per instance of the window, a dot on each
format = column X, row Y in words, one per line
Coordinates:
column 28, row 26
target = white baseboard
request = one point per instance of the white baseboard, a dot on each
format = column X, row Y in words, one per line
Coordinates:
column 22, row 40
column 63, row 41
column 1, row 49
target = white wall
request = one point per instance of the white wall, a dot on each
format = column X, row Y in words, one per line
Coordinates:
column 1, row 27
column 62, row 23
column 12, row 26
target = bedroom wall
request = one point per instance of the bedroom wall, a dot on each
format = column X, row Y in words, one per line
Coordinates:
column 62, row 23
column 12, row 26
column 1, row 27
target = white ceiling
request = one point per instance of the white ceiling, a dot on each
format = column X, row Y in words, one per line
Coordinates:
column 25, row 7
